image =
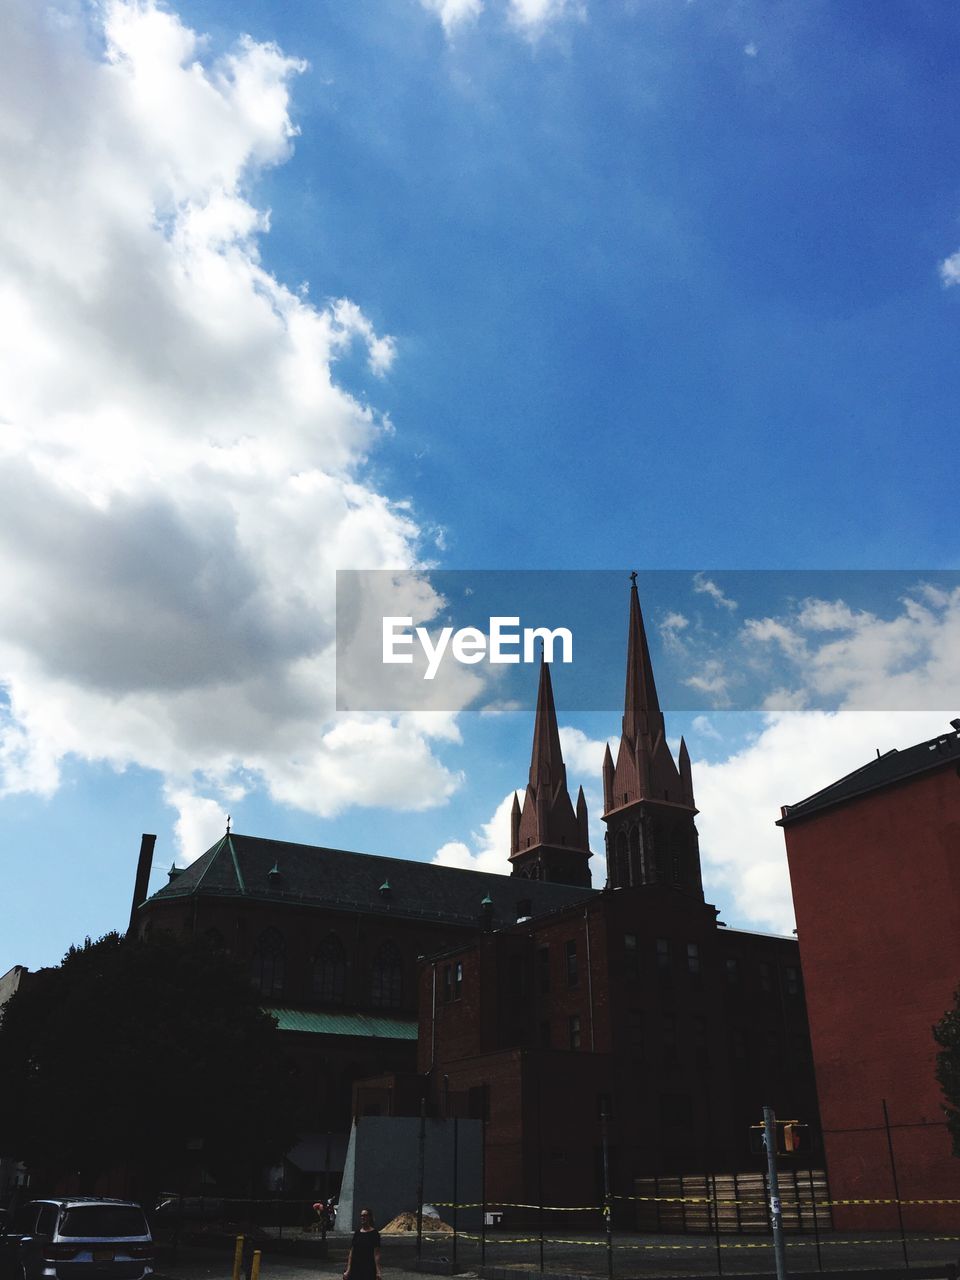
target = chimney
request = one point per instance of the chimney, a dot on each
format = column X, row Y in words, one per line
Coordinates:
column 144, row 864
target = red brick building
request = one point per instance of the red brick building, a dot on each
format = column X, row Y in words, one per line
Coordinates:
column 875, row 867
column 635, row 999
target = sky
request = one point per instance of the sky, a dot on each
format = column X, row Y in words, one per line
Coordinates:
column 460, row 285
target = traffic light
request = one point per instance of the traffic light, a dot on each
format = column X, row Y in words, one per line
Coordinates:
column 791, row 1137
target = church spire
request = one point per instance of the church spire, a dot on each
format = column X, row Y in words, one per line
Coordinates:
column 546, row 759
column 648, row 801
column 642, row 716
column 549, row 840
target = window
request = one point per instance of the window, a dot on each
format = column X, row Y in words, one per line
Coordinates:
column 574, row 1031
column 573, row 972
column 543, row 968
column 791, row 981
column 447, row 984
column 47, row 1221
column 458, row 980
column 386, row 978
column 663, row 955
column 631, row 956
column 268, row 963
column 766, row 977
column 328, row 975
column 693, row 958
column 732, row 969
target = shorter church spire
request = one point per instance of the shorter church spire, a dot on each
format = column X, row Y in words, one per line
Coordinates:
column 549, row 840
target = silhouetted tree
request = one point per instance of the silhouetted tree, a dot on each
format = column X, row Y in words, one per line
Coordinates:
column 144, row 1058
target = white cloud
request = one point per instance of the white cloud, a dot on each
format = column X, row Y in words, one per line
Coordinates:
column 529, row 18
column 794, row 755
column 491, row 844
column 712, row 681
column 908, row 661
column 950, row 270
column 200, row 821
column 454, row 13
column 751, row 50
column 705, row 586
column 532, row 17
column 671, row 630
column 706, row 729
column 582, row 755
column 179, row 469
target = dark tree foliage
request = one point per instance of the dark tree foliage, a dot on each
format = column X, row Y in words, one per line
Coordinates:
column 130, row 1055
column 947, row 1035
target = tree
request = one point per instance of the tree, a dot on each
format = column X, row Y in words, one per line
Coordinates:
column 144, row 1058
column 947, row 1034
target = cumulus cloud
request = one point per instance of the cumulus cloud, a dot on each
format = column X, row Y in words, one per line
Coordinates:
column 858, row 660
column 739, row 798
column 179, row 468
column 489, row 848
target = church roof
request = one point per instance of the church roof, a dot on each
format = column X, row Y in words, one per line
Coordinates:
column 259, row 870
column 892, row 767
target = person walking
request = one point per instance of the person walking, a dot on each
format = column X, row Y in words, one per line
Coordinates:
column 363, row 1260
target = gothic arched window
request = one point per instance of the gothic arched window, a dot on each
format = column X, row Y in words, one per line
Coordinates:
column 268, row 964
column 329, row 970
column 386, row 985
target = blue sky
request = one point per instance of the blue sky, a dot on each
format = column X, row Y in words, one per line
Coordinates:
column 665, row 284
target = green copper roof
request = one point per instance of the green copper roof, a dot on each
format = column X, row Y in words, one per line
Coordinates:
column 342, row 1024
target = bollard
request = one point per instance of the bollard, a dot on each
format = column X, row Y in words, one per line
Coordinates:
column 255, row 1269
column 238, row 1258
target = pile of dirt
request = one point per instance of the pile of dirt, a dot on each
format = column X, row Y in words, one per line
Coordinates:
column 408, row 1222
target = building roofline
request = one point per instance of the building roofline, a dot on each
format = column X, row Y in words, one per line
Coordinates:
column 887, row 770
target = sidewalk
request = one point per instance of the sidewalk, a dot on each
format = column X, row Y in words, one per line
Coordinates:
column 634, row 1256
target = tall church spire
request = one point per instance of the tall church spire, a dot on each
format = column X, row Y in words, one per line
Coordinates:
column 549, row 840
column 648, row 801
column 641, row 706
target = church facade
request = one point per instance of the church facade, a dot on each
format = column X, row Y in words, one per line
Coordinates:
column 532, row 998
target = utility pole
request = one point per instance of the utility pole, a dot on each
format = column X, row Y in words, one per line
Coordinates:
column 776, row 1213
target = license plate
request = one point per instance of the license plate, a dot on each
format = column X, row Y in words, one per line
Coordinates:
column 103, row 1255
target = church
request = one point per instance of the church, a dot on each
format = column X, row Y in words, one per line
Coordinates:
column 532, row 1000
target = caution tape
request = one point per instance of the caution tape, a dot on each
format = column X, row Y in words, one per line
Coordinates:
column 507, row 1204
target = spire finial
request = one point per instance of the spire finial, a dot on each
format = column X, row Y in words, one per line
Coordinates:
column 228, row 824
column 633, row 577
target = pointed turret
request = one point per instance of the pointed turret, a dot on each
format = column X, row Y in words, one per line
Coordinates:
column 686, row 777
column 515, row 825
column 583, row 821
column 648, row 800
column 607, row 779
column 548, row 839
